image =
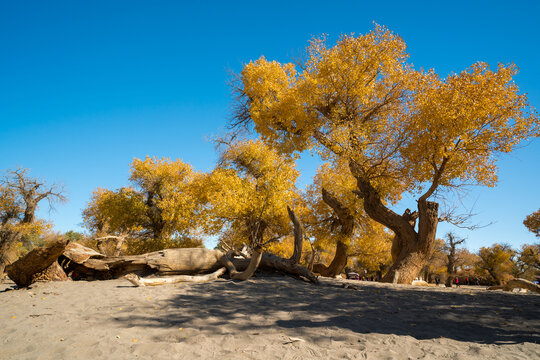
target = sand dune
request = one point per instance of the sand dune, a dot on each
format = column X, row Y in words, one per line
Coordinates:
column 270, row 317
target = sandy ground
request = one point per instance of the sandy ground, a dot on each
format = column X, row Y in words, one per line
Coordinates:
column 265, row 318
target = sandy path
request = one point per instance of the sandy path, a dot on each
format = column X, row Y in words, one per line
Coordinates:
column 265, row 318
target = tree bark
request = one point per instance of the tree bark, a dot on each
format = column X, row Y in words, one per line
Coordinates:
column 412, row 249
column 23, row 271
column 53, row 273
column 138, row 281
column 338, row 262
column 519, row 284
column 346, row 228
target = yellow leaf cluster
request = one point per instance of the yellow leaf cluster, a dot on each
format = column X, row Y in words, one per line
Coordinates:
column 360, row 100
column 250, row 189
column 532, row 222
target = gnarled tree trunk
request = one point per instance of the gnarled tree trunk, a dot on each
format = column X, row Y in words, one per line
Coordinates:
column 346, row 228
column 411, row 249
column 338, row 262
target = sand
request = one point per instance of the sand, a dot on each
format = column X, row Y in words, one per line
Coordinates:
column 271, row 317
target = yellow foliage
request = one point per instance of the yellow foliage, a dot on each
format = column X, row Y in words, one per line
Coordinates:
column 249, row 192
column 532, row 222
column 496, row 261
column 360, row 101
column 162, row 209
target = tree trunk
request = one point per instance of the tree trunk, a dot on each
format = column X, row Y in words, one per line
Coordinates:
column 416, row 249
column 298, row 236
column 338, row 263
column 346, row 228
column 24, row 270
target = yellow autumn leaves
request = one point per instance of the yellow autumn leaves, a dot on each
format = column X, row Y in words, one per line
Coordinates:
column 361, row 100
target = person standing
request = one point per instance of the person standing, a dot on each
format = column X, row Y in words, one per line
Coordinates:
column 457, row 281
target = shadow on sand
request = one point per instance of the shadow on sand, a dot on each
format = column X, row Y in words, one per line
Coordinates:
column 280, row 303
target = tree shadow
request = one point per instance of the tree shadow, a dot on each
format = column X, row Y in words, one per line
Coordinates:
column 316, row 312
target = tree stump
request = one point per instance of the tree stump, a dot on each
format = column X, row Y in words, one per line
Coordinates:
column 24, row 270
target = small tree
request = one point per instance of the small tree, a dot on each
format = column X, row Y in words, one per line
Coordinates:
column 532, row 222
column 527, row 262
column 161, row 209
column 20, row 196
column 248, row 194
column 496, row 261
column 452, row 241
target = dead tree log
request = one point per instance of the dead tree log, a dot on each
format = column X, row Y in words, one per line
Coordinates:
column 23, row 271
column 138, row 281
column 517, row 284
column 86, row 263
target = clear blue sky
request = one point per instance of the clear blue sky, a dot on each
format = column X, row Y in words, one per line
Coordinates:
column 87, row 86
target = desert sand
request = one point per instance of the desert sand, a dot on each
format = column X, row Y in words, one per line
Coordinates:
column 268, row 317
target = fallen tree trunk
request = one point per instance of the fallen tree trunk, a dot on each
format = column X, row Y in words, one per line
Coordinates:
column 85, row 263
column 23, row 271
column 517, row 283
column 138, row 281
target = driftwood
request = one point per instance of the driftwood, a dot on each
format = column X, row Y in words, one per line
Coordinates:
column 23, row 271
column 85, row 263
column 52, row 273
column 138, row 281
column 517, row 283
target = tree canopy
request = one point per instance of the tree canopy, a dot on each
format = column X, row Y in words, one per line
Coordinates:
column 249, row 191
column 397, row 127
column 161, row 209
column 532, row 222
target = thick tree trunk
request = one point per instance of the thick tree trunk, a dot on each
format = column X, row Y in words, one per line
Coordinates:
column 416, row 250
column 338, row 262
column 86, row 263
column 24, row 270
column 414, row 247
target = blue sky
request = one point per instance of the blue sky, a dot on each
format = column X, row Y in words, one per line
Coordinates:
column 87, row 86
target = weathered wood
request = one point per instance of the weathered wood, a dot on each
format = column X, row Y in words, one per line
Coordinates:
column 138, row 281
column 270, row 261
column 23, row 270
column 517, row 283
column 185, row 261
column 52, row 273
